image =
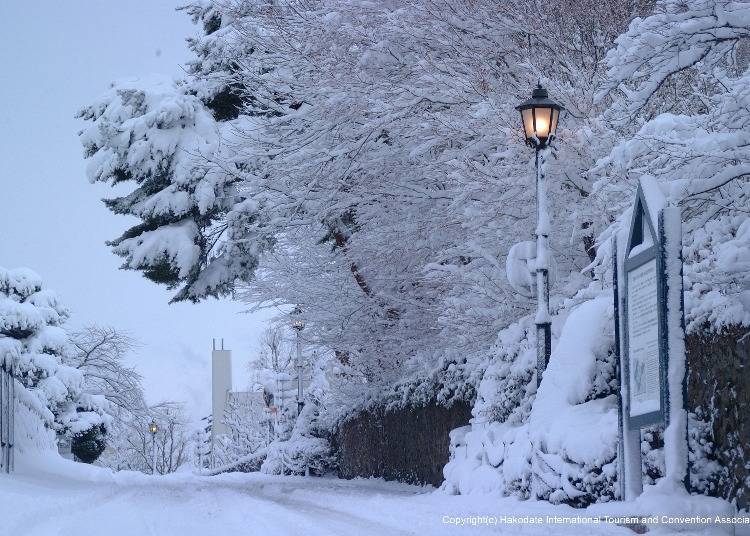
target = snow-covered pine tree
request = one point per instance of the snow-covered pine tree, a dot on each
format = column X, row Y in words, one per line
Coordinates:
column 34, row 343
column 197, row 232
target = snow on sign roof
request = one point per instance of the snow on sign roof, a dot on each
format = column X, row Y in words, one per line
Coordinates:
column 649, row 200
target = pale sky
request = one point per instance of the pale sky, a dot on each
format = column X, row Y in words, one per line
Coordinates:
column 55, row 57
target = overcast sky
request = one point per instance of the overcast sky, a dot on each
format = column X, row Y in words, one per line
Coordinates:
column 55, row 57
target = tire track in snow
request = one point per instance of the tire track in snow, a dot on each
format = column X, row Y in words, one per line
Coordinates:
column 344, row 521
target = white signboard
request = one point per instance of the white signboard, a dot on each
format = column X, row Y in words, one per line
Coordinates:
column 643, row 340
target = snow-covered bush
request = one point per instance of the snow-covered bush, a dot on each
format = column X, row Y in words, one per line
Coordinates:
column 706, row 472
column 307, row 450
column 35, row 346
column 87, row 446
column 557, row 444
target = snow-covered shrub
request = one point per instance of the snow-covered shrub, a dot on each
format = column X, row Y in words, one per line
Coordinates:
column 306, row 451
column 652, row 453
column 487, row 457
column 573, row 421
column 299, row 455
column 559, row 443
column 719, row 428
column 88, row 445
column 35, row 345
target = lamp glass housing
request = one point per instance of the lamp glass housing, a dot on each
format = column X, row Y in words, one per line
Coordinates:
column 539, row 117
column 152, row 427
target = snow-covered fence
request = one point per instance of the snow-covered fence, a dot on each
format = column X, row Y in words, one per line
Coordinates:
column 7, row 414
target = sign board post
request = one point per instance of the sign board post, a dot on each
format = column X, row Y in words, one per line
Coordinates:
column 650, row 336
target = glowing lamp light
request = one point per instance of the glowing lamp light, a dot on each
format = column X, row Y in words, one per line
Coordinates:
column 539, row 117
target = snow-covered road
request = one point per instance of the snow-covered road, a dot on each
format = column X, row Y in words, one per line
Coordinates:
column 87, row 500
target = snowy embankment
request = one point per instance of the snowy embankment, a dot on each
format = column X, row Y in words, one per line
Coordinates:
column 558, row 442
column 50, row 496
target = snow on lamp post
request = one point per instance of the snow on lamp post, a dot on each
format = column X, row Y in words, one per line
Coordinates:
column 298, row 325
column 153, row 428
column 539, row 116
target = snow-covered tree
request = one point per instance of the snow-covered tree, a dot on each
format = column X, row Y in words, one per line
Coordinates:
column 249, row 427
column 700, row 152
column 34, row 345
column 364, row 161
column 195, row 228
column 201, row 444
column 133, row 444
column 99, row 353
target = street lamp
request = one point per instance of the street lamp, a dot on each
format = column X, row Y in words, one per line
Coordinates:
column 298, row 325
column 153, row 428
column 539, row 117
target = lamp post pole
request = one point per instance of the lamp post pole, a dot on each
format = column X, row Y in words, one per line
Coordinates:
column 300, row 394
column 298, row 324
column 539, row 116
column 542, row 318
column 153, row 428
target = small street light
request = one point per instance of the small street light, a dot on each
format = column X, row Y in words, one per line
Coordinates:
column 539, row 117
column 298, row 325
column 153, row 428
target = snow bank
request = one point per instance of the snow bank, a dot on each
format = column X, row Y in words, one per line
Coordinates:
column 573, row 436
